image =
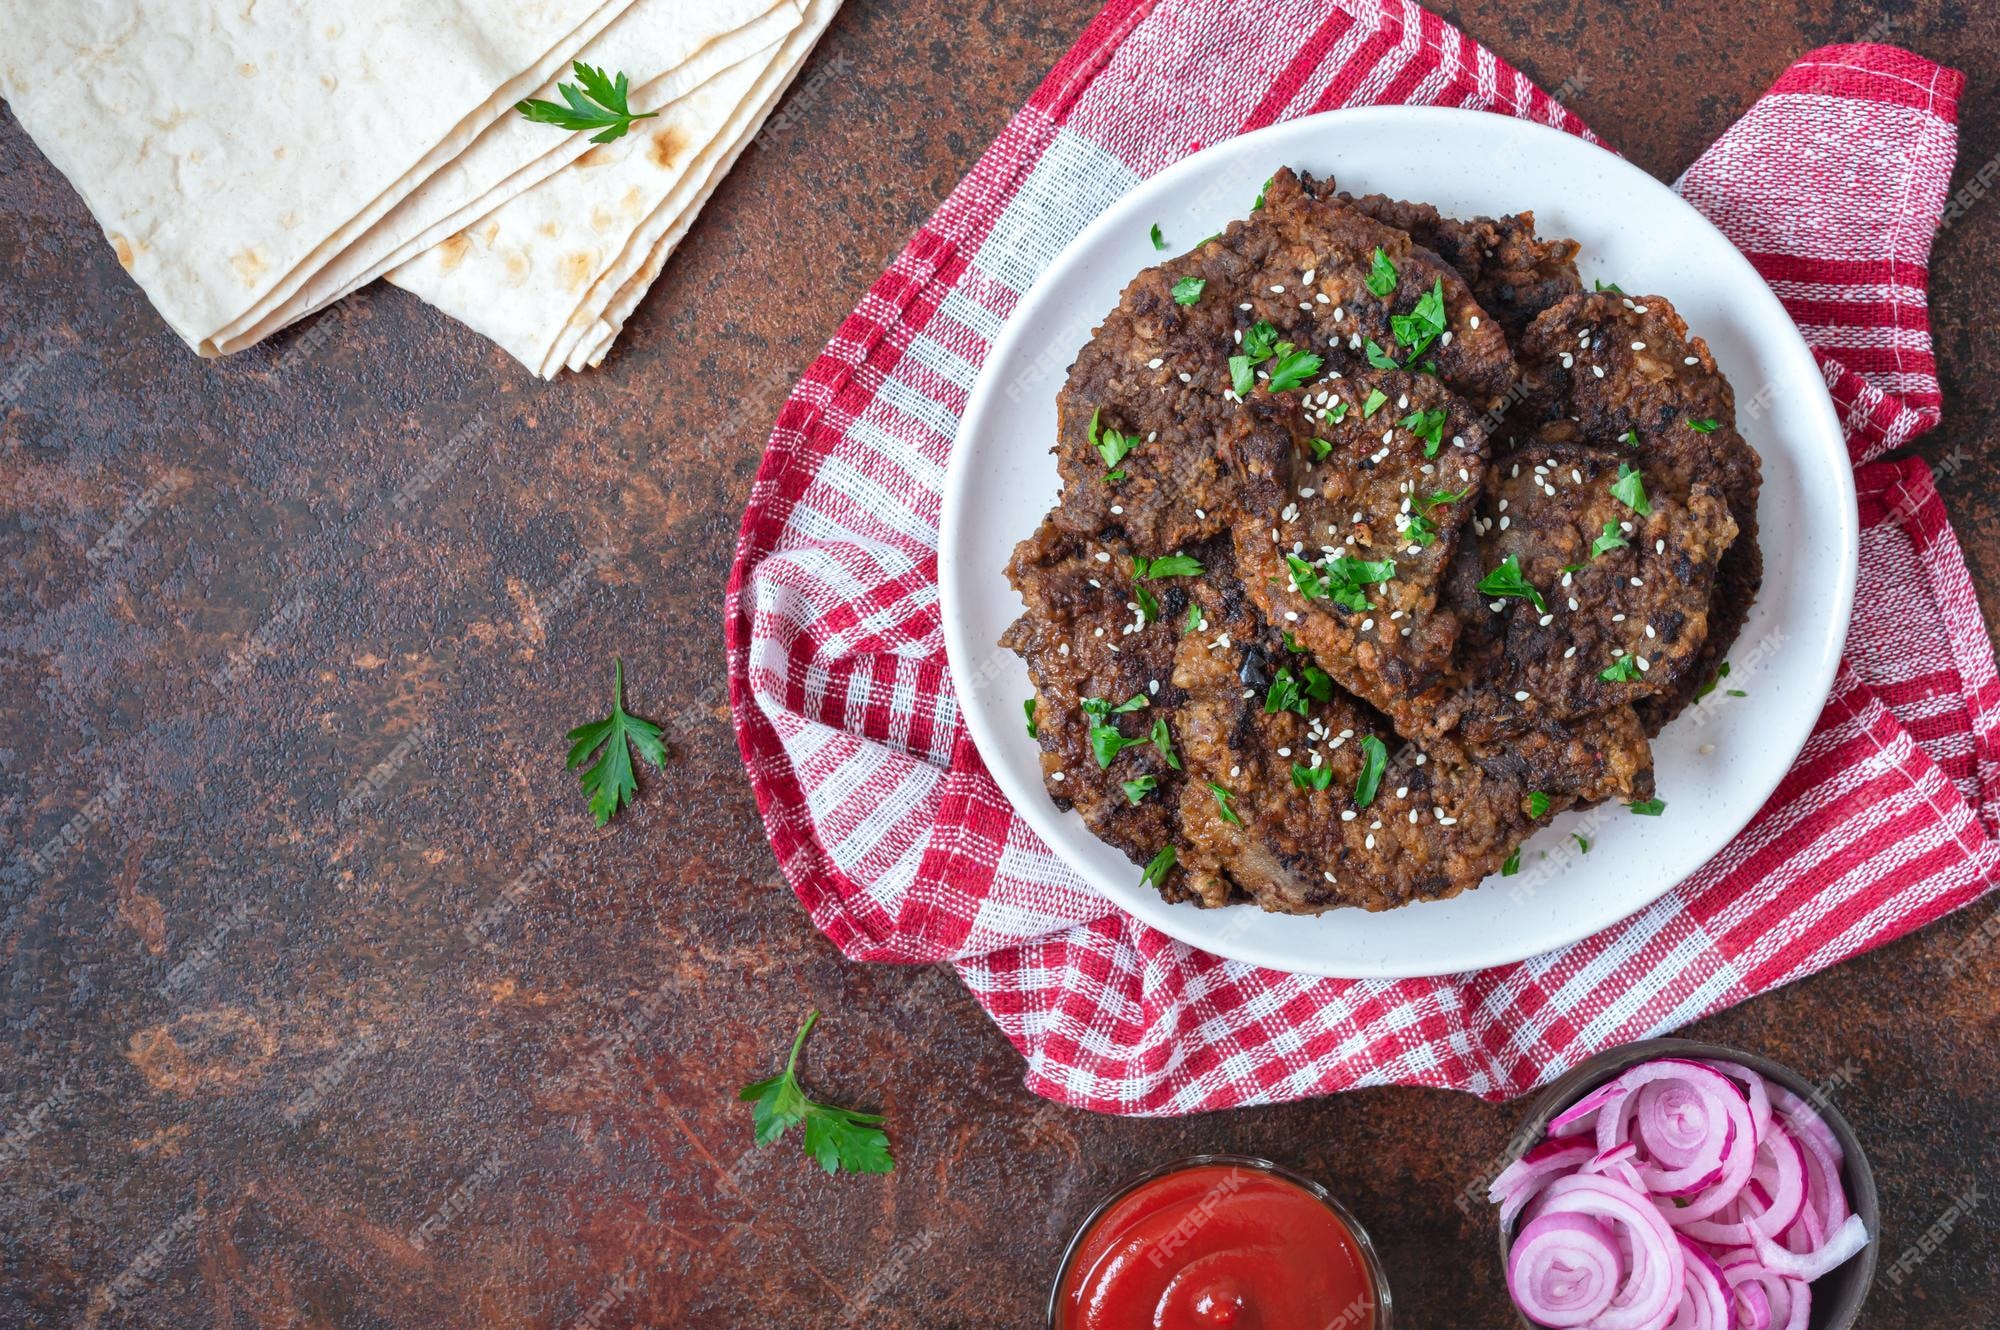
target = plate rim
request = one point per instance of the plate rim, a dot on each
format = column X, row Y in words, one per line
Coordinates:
column 1044, row 819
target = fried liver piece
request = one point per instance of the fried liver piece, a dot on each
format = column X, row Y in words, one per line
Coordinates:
column 1291, row 279
column 1514, row 273
column 1609, row 606
column 1611, row 370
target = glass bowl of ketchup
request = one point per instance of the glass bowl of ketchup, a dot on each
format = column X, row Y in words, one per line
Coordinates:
column 1220, row 1241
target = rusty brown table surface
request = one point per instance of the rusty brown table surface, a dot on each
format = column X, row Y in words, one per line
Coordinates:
column 337, row 956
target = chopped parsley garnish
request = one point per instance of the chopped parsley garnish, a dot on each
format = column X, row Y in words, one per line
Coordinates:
column 1241, row 377
column 1381, row 274
column 1374, row 761
column 1612, row 287
column 1105, row 739
column 1156, row 870
column 609, row 781
column 1110, row 444
column 1422, row 325
column 1609, row 541
column 1379, row 358
column 836, row 1137
column 1630, row 490
column 1112, row 477
column 1649, row 807
column 598, row 104
column 1422, row 532
column 1193, row 620
column 1222, row 798
column 1335, row 412
column 1428, row 426
column 1623, row 670
column 1506, row 580
column 1188, row 290
column 1373, row 402
column 1630, row 438
column 1291, row 643
column 1704, row 426
column 1312, row 778
column 1297, row 695
column 1306, row 578
column 1293, row 369
column 1511, row 865
column 1034, row 732
column 1261, row 341
column 1170, row 565
column 1159, row 241
column 1149, row 604
column 1135, row 790
column 1581, row 843
column 1347, row 578
column 1538, row 804
column 1163, row 743
column 1438, row 497
column 1721, row 673
column 1262, row 192
column 1320, row 449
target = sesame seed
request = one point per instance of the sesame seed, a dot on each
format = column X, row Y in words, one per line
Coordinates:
column 1244, row 306
column 1277, row 290
column 1155, row 363
column 1659, row 547
column 1055, row 775
column 1102, row 557
column 1186, row 377
column 1598, row 370
column 1547, row 619
column 1153, row 687
column 1339, row 313
column 1370, row 842
column 1569, row 653
column 1692, row 360
column 1618, row 618
column 1284, row 752
column 1706, row 749
column 1413, row 817
column 1650, row 632
column 1117, row 508
column 1642, row 663
column 1521, row 696
column 1474, row 321
column 1347, row 815
column 1638, row 581
column 1331, row 878
column 1307, row 276
column 1638, row 346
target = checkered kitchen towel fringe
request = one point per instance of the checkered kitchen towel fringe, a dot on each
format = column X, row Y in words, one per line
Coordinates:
column 901, row 847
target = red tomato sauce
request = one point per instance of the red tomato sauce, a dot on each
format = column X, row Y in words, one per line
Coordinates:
column 1217, row 1245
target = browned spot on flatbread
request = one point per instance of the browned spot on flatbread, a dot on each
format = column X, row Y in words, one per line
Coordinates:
column 600, row 218
column 601, row 155
column 664, row 148
column 517, row 266
column 123, row 249
column 629, row 204
column 548, row 229
column 577, row 268
column 202, row 1052
column 452, row 251
column 249, row 264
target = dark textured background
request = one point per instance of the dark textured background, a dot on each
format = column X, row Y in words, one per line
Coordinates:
column 249, row 1044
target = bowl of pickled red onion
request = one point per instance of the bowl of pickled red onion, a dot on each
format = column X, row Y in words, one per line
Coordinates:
column 1674, row 1185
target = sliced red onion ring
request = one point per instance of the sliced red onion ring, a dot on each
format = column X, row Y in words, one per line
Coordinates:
column 1701, row 1205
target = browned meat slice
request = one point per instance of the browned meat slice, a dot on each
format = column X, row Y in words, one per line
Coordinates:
column 1376, row 474
column 1287, row 291
column 1602, row 604
column 1621, row 371
column 1514, row 273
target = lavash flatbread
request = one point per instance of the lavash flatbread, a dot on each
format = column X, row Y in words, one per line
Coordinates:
column 229, row 151
column 666, row 47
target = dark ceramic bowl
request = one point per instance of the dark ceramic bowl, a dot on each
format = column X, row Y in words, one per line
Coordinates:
column 1376, row 1275
column 1836, row 1297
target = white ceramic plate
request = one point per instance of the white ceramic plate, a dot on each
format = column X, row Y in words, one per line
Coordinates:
column 1715, row 765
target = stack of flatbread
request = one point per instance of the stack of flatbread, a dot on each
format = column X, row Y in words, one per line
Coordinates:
column 253, row 161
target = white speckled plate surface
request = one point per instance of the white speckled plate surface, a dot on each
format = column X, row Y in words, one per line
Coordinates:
column 1715, row 765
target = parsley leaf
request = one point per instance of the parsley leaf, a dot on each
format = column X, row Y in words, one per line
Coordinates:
column 1704, row 426
column 1422, row 325
column 1110, row 444
column 1422, row 532
column 1293, row 369
column 1335, row 412
column 1163, row 743
column 1348, row 577
column 1374, row 761
column 1171, row 565
column 836, row 1137
column 1159, row 241
column 1609, row 541
column 1034, row 732
column 1428, row 426
column 1630, row 490
column 1261, row 341
column 1439, row 497
column 1106, row 740
column 1156, row 871
column 1373, row 403
column 1112, row 477
column 1222, row 799
column 1511, row 865
column 1538, row 804
column 1193, row 618
column 1623, row 670
column 1306, row 578
column 1649, row 807
column 1135, row 790
column 1262, row 192
column 1630, row 438
column 598, row 104
column 1581, row 843
column 1297, row 695
column 1612, row 287
column 1149, row 604
column 1320, row 448
column 1188, row 290
column 609, row 781
column 1241, row 378
column 1381, row 274
column 1379, row 358
column 1506, row 580
column 1312, row 778
column 1721, row 673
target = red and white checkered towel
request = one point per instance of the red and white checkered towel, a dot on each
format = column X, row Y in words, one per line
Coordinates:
column 901, row 847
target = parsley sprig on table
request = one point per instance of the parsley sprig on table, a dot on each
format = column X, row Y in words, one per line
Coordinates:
column 595, row 101
column 610, row 781
column 837, row 1137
